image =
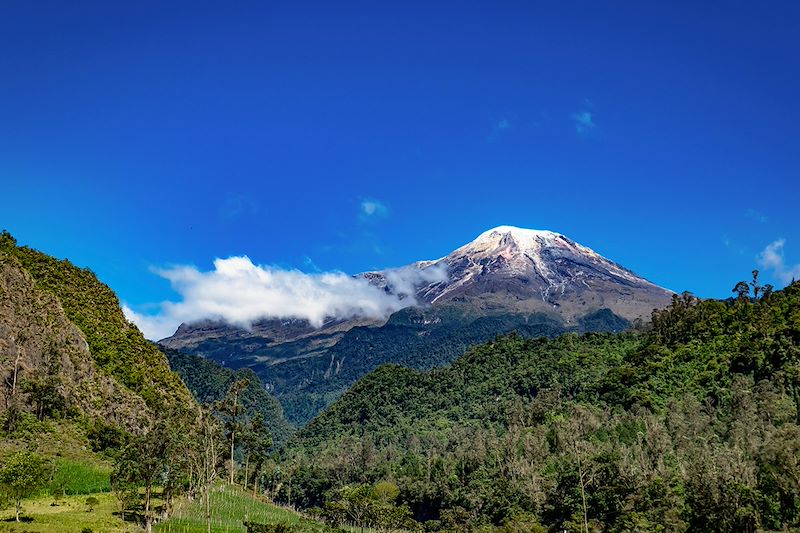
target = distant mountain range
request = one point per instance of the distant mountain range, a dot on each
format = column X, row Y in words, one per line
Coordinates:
column 539, row 283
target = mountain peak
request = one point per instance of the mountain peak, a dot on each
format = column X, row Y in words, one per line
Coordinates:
column 535, row 270
column 508, row 241
column 521, row 233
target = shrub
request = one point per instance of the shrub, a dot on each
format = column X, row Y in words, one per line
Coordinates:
column 92, row 502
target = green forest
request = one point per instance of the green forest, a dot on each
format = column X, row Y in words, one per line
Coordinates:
column 689, row 424
column 414, row 337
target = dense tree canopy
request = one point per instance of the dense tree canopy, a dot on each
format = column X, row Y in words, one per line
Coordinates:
column 691, row 425
column 209, row 382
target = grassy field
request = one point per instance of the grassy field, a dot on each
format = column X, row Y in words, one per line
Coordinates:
column 75, row 474
column 74, row 477
column 75, row 468
column 71, row 515
column 231, row 508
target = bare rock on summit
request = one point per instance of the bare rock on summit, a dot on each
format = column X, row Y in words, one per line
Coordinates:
column 527, row 270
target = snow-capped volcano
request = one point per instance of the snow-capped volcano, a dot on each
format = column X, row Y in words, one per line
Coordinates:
column 537, row 270
column 537, row 283
column 505, row 270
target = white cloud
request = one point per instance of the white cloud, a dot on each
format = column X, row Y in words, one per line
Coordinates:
column 373, row 209
column 154, row 327
column 771, row 259
column 404, row 281
column 584, row 122
column 239, row 292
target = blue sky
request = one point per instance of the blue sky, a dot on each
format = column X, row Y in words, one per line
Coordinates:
column 364, row 135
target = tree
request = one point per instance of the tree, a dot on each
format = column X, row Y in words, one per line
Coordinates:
column 13, row 403
column 18, row 349
column 145, row 460
column 370, row 506
column 385, row 491
column 44, row 393
column 177, row 469
column 230, row 406
column 125, row 491
column 258, row 442
column 573, row 437
column 204, row 458
column 44, row 390
column 755, row 285
column 21, row 475
column 767, row 291
column 742, row 291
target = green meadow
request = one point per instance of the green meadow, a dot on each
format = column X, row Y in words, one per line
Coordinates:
column 231, row 508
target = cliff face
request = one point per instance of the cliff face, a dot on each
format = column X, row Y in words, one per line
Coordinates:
column 39, row 345
column 66, row 347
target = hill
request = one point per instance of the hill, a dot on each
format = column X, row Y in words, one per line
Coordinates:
column 67, row 347
column 692, row 425
column 88, row 403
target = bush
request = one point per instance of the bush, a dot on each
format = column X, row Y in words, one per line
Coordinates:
column 106, row 437
column 92, row 502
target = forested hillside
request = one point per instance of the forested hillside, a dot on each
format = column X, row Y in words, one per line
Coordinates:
column 210, row 382
column 90, row 408
column 415, row 337
column 116, row 346
column 691, row 425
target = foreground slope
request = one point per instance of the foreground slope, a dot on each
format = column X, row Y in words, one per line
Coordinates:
column 539, row 283
column 690, row 426
column 83, row 393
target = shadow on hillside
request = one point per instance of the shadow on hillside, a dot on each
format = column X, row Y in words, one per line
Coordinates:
column 22, row 519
